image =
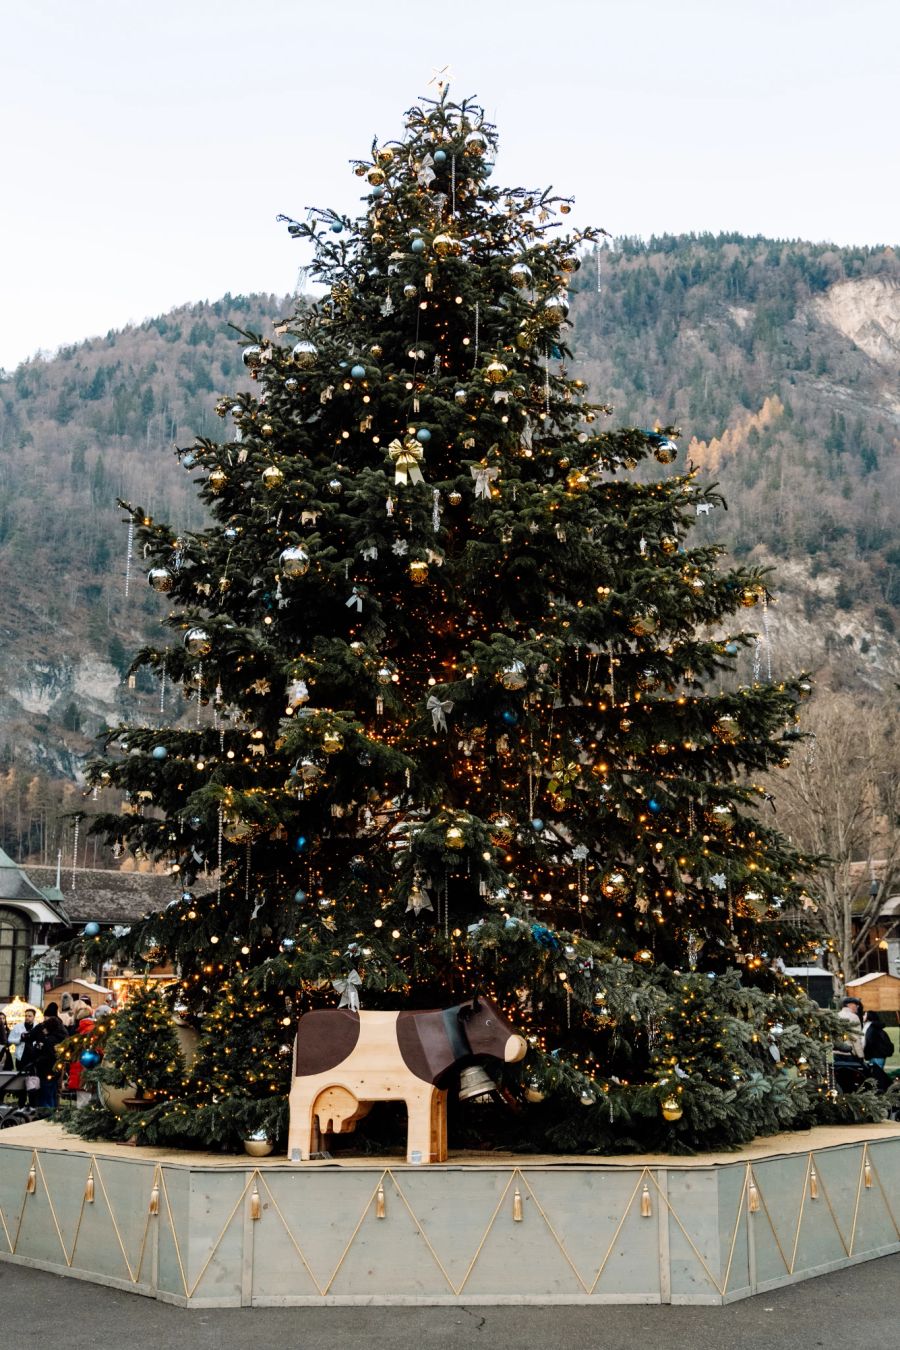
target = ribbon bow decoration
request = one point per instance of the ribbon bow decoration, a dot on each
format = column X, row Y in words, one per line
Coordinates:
column 563, row 775
column 407, row 456
column 348, row 990
column 438, row 710
column 483, row 478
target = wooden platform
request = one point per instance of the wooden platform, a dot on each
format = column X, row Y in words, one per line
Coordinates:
column 210, row 1230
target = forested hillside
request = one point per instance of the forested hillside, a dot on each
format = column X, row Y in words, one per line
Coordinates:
column 779, row 361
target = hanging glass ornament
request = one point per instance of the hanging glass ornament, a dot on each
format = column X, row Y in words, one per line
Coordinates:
column 520, row 275
column 533, row 1091
column 294, row 561
column 309, row 770
column 557, row 306
column 476, row 143
column 297, row 694
column 418, row 572
column 513, row 676
column 358, row 373
column 160, row 579
column 578, row 481
column 271, row 477
column 385, row 155
column 671, row 1108
column 645, row 622
column 375, row 176
column 217, row 479
column 614, row 885
column 454, row 838
column 454, row 498
column 252, row 356
column 335, row 487
column 305, row 353
column 446, row 246
column 332, row 742
column 727, row 728
column 496, row 372
column 668, row 544
column 197, row 642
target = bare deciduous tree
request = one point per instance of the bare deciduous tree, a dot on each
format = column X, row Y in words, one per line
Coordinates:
column 840, row 799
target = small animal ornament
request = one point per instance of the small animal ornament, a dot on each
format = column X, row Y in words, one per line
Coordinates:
column 346, row 1061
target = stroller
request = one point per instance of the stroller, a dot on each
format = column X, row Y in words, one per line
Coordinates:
column 19, row 1112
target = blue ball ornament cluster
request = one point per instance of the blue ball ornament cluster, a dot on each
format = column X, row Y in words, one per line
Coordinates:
column 89, row 1059
column 423, row 435
column 358, row 373
column 91, row 929
column 418, row 246
column 440, row 156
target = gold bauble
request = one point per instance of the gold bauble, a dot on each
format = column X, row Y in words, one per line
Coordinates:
column 513, row 676
column 304, row 354
column 294, row 562
column 570, row 264
column 234, row 829
column 410, row 291
column 272, row 476
column 454, row 498
column 666, row 453
column 332, row 742
column 217, row 479
column 360, row 170
column 476, row 143
column 160, row 579
column 384, row 155
column 564, row 208
column 534, row 1092
column 267, row 430
column 577, row 481
column 645, row 623
column 377, row 237
column 375, row 350
column 520, row 275
column 454, row 837
column 722, row 815
column 668, row 544
column 258, row 1148
column 727, row 729
column 750, row 597
column 418, row 572
column 496, row 372
column 376, row 176
column 614, row 885
column 446, row 246
column 671, row 1108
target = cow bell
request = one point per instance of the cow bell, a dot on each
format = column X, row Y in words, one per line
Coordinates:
column 475, row 1085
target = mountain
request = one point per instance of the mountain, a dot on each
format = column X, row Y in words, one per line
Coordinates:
column 778, row 360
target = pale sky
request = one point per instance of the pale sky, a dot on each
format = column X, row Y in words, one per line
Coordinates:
column 147, row 148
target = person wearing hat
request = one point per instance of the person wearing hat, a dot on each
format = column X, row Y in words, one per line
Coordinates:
column 851, row 1013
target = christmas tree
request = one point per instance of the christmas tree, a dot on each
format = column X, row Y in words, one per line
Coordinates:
column 463, row 706
column 142, row 1049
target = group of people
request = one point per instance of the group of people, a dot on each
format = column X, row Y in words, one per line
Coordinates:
column 866, row 1046
column 29, row 1048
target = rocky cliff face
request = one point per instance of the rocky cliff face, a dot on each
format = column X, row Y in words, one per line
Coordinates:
column 867, row 311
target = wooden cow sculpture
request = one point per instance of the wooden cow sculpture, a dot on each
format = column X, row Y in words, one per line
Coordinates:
column 345, row 1061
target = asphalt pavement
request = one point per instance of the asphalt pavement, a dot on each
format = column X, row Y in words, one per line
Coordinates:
column 851, row 1308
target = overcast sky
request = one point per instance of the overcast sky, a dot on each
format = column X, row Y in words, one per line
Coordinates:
column 148, row 148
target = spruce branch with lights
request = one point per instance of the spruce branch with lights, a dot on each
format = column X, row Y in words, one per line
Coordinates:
column 454, row 674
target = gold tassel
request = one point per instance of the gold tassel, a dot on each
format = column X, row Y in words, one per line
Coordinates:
column 31, row 1183
column 379, row 1202
column 752, row 1197
column 867, row 1175
column 646, row 1202
column 255, row 1205
column 153, row 1207
column 517, row 1206
column 89, row 1188
column 813, row 1184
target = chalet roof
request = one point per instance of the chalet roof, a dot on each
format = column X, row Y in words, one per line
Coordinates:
column 107, row 896
column 18, row 889
column 867, row 979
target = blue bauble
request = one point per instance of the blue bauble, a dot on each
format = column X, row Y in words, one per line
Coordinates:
column 336, row 227
column 89, row 1059
column 418, row 246
column 731, row 648
column 509, row 717
column 537, row 824
column 159, row 752
column 440, row 156
column 300, row 843
column 378, row 191
column 299, row 897
column 91, row 929
column 189, row 460
column 358, row 372
column 654, row 806
column 423, row 435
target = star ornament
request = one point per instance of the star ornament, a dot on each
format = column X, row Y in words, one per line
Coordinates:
column 718, row 880
column 440, row 78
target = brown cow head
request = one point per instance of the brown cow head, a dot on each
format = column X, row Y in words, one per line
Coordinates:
column 488, row 1032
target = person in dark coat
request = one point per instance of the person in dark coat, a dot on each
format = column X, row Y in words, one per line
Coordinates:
column 38, row 1059
column 7, row 1057
column 878, row 1045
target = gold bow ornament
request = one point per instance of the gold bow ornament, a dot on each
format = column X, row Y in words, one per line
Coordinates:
column 407, row 456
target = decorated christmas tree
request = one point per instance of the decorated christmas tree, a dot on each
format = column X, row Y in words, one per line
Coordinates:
column 463, row 706
column 142, row 1050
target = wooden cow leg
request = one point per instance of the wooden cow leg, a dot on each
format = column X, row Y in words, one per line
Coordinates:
column 303, row 1131
column 427, row 1125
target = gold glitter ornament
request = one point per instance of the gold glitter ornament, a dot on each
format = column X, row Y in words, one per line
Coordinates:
column 496, row 372
column 418, row 572
column 271, row 477
column 217, row 479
